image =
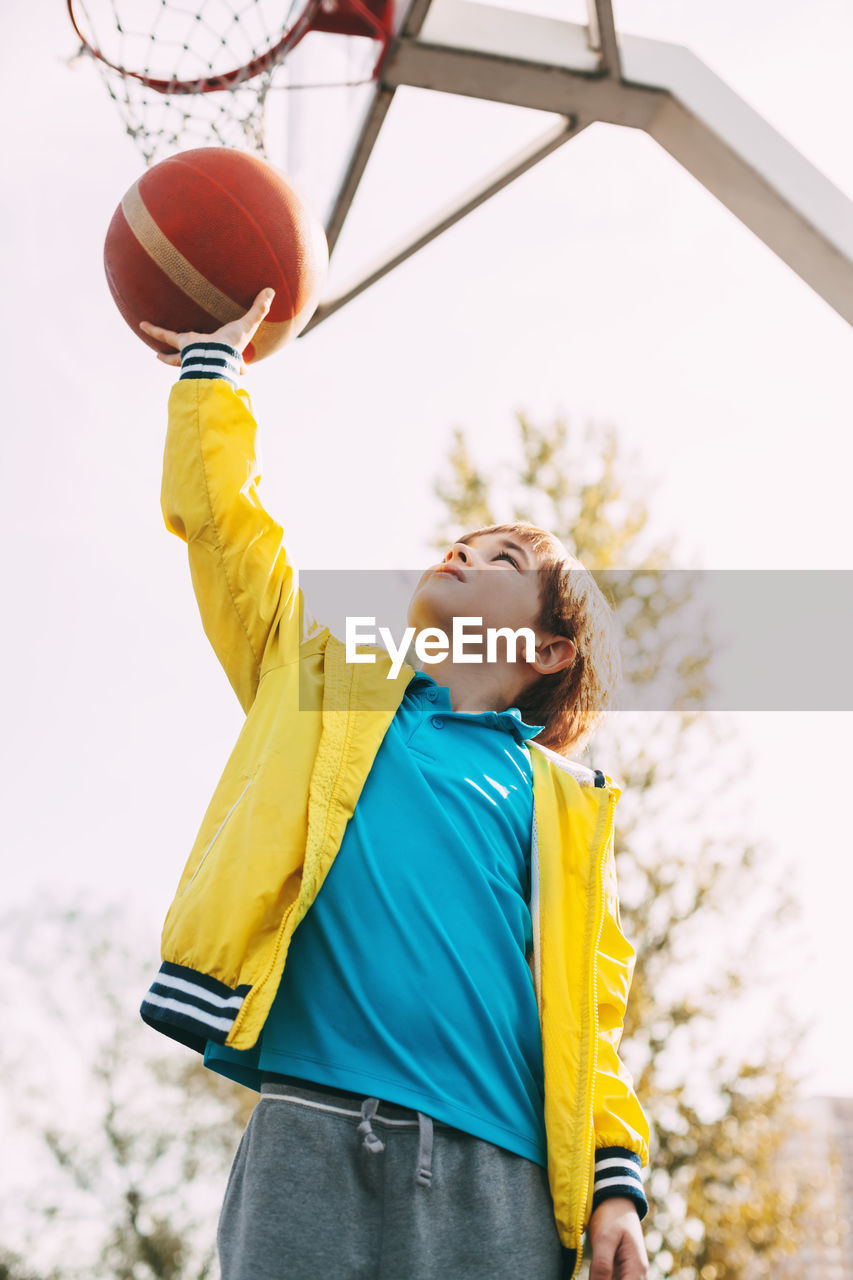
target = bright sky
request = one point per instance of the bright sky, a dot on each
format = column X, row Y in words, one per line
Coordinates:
column 606, row 283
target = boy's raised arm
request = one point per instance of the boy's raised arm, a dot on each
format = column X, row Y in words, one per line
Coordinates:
column 243, row 580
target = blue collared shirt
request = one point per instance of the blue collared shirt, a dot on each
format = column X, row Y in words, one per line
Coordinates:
column 408, row 977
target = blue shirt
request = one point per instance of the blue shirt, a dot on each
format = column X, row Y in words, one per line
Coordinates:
column 408, row 979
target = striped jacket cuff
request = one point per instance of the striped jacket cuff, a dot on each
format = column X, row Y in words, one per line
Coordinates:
column 193, row 1003
column 211, row 360
column 618, row 1173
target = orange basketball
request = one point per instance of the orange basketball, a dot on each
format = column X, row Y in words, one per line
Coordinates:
column 196, row 238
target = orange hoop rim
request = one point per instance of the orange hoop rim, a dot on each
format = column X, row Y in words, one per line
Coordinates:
column 228, row 79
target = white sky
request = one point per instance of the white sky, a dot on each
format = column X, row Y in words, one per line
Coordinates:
column 605, row 284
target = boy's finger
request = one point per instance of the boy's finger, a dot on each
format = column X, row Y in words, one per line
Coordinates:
column 257, row 311
column 260, row 306
column 173, row 360
column 162, row 335
column 603, row 1254
column 263, row 299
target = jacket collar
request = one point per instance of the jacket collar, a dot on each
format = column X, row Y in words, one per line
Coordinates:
column 373, row 678
column 583, row 776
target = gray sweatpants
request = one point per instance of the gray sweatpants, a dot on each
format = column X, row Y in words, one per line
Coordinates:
column 330, row 1185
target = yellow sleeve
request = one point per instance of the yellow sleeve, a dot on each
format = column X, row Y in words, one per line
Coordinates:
column 618, row 1118
column 251, row 609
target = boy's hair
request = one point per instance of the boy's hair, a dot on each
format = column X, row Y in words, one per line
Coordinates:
column 572, row 703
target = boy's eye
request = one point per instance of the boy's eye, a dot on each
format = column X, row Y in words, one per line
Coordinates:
column 504, row 555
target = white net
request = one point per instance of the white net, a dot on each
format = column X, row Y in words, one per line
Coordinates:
column 200, row 73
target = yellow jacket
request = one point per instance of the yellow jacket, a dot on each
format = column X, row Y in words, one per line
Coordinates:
column 278, row 814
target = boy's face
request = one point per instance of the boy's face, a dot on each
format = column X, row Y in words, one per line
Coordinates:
column 494, row 577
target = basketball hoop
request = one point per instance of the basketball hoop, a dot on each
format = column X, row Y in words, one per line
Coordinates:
column 183, row 76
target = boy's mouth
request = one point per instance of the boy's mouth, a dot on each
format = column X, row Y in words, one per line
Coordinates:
column 452, row 569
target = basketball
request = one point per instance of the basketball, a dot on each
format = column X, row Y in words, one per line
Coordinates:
column 199, row 234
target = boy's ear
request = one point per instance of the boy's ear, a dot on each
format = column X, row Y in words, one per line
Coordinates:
column 553, row 654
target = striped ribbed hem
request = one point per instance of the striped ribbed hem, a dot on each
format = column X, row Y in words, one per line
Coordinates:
column 211, row 360
column 200, row 1007
column 618, row 1172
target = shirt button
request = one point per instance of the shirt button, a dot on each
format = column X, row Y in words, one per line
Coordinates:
column 437, row 722
column 432, row 694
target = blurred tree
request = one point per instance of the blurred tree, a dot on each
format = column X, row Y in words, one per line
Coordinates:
column 709, row 1037
column 13, row 1267
column 123, row 1139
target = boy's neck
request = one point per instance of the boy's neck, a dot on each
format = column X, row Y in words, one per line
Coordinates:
column 476, row 687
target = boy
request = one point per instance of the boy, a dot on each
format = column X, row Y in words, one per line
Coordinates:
column 435, row 1045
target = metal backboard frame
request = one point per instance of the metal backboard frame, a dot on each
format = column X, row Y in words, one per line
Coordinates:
column 585, row 73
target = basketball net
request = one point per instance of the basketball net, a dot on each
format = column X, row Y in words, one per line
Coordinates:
column 200, row 74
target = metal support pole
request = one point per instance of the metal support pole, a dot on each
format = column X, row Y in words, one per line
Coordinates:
column 498, row 179
column 501, row 55
column 602, row 36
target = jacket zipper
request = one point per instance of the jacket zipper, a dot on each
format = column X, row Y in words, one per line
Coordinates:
column 591, row 1125
column 535, row 914
column 217, row 834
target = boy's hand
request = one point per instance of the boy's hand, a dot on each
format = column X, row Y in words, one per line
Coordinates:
column 237, row 333
column 618, row 1248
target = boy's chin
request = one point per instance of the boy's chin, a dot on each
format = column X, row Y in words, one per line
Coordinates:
column 431, row 607
column 422, row 621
